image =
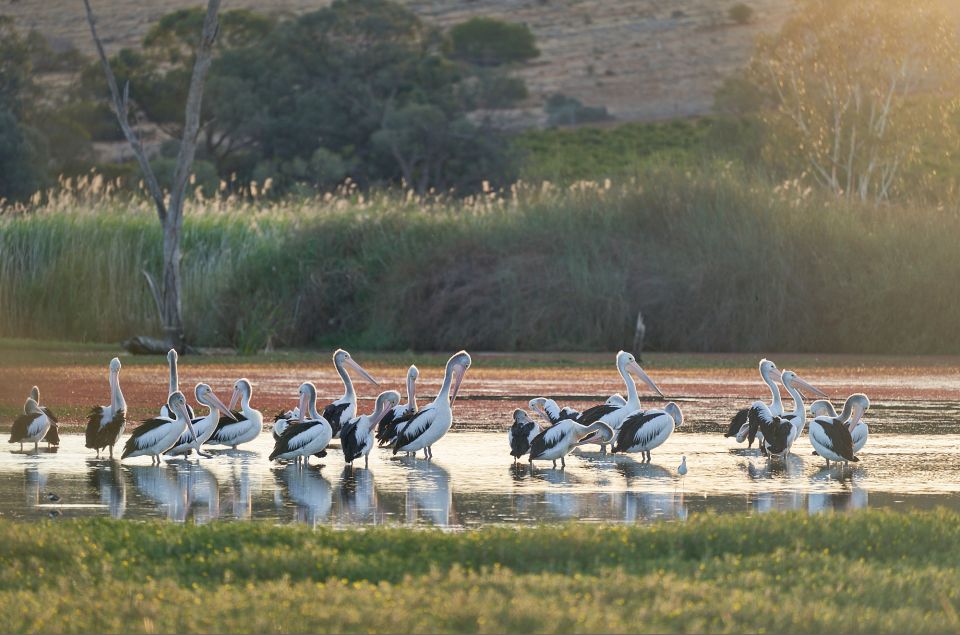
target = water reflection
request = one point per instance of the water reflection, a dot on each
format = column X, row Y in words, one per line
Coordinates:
column 475, row 482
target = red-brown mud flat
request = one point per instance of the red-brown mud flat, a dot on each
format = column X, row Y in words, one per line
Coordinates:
column 907, row 393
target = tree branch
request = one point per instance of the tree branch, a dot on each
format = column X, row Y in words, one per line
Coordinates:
column 121, row 109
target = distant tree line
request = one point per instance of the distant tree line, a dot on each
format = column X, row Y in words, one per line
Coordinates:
column 361, row 89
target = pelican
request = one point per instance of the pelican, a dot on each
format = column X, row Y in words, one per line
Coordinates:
column 105, row 423
column 645, row 430
column 155, row 436
column 522, row 433
column 779, row 432
column 174, row 386
column 356, row 437
column 245, row 424
column 611, row 414
column 859, row 431
column 556, row 441
column 345, row 408
column 832, row 436
column 432, row 422
column 740, row 427
column 203, row 427
column 53, row 432
column 387, row 430
column 31, row 426
column 308, row 436
column 551, row 412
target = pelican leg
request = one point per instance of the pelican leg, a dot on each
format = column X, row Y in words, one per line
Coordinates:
column 111, row 451
column 554, row 464
column 366, row 461
column 563, row 463
column 306, row 461
column 603, row 448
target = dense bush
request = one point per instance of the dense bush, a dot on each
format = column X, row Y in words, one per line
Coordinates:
column 491, row 42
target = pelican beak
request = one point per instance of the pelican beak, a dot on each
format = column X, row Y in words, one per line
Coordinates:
column 234, row 399
column 304, row 402
column 182, row 412
column 458, row 372
column 634, row 367
column 219, row 405
column 858, row 413
column 810, row 388
column 357, row 367
column 776, row 374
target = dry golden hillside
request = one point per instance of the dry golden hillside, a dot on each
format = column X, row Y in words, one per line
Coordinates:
column 642, row 59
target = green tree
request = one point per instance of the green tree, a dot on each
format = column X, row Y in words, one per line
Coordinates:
column 491, row 42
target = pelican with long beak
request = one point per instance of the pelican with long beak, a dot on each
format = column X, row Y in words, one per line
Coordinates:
column 550, row 412
column 244, row 425
column 859, row 430
column 356, row 437
column 387, row 430
column 779, row 432
column 344, row 409
column 105, row 424
column 839, row 438
column 559, row 439
column 612, row 414
column 204, row 427
column 155, row 436
column 174, row 385
column 740, row 427
column 432, row 422
column 309, row 435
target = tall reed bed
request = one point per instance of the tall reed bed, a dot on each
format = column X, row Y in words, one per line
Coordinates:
column 715, row 259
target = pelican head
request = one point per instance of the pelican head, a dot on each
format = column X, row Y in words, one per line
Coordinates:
column 385, row 401
column 178, row 405
column 457, row 367
column 674, row 411
column 822, row 408
column 35, row 394
column 857, row 404
column 308, row 399
column 241, row 389
column 521, row 417
column 769, row 370
column 615, row 400
column 31, row 406
column 342, row 358
column 605, row 431
column 791, row 379
column 413, row 373
column 627, row 363
column 115, row 365
column 205, row 395
column 172, row 356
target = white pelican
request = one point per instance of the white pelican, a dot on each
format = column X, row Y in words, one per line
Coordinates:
column 556, row 441
column 521, row 433
column 859, row 431
column 645, row 430
column 432, row 422
column 387, row 430
column 832, row 436
column 31, row 426
column 779, row 432
column 611, row 414
column 105, row 424
column 174, row 386
column 205, row 426
column 155, row 436
column 246, row 423
column 345, row 408
column 550, row 411
column 306, row 437
column 53, row 432
column 739, row 425
column 356, row 437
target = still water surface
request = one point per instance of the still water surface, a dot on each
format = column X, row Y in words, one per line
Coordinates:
column 472, row 482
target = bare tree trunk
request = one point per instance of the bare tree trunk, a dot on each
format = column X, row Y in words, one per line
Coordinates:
column 170, row 214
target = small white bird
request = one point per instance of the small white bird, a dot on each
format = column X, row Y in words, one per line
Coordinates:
column 682, row 469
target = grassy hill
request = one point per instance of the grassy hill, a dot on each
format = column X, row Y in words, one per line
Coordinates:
column 642, row 59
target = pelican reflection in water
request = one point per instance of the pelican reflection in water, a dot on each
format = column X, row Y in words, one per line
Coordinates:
column 428, row 492
column 107, row 478
column 357, row 497
column 309, row 491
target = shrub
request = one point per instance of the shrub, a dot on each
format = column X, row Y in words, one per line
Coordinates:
column 490, row 42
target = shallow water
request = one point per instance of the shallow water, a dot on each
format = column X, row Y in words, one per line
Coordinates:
column 472, row 482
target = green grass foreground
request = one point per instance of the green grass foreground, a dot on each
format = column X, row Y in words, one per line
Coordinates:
column 866, row 572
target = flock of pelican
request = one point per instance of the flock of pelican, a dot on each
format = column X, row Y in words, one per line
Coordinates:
column 304, row 430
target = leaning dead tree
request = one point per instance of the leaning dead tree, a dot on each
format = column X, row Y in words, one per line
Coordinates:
column 169, row 210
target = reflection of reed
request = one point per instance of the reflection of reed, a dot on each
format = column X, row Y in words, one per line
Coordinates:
column 358, row 497
column 309, row 491
column 108, row 480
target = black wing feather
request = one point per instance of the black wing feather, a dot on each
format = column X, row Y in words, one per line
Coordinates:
column 518, row 441
column 626, row 438
column 349, row 441
column 737, row 422
column 594, row 414
column 133, row 442
column 403, row 438
column 332, row 413
column 20, row 427
column 100, row 437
